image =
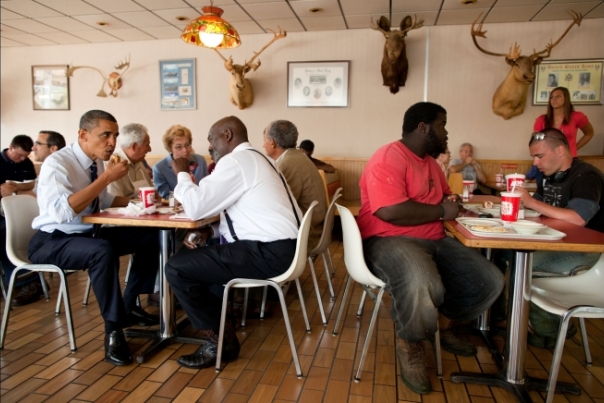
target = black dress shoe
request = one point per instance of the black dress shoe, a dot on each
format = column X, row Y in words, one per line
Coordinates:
column 139, row 317
column 117, row 351
column 153, row 300
column 205, row 356
column 29, row 294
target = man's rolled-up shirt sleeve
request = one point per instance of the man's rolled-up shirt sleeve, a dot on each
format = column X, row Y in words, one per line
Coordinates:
column 54, row 190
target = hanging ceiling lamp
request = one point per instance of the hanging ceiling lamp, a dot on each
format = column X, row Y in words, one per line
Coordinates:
column 211, row 31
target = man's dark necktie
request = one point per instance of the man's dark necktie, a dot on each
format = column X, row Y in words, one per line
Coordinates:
column 93, row 177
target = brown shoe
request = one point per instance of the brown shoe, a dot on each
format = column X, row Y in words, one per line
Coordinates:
column 413, row 366
column 453, row 344
column 29, row 294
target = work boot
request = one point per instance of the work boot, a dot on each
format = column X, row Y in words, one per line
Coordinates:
column 453, row 344
column 413, row 366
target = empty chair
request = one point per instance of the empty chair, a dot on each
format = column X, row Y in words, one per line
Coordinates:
column 577, row 296
column 291, row 274
column 359, row 272
column 321, row 248
column 20, row 211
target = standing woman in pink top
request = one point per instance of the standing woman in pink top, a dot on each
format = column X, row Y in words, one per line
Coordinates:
column 562, row 115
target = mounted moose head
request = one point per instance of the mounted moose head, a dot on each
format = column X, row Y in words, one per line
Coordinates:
column 113, row 80
column 241, row 90
column 510, row 98
column 394, row 62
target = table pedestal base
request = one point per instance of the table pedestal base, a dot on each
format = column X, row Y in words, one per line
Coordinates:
column 520, row 390
column 158, row 341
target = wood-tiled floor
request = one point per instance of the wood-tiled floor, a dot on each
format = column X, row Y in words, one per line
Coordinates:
column 37, row 365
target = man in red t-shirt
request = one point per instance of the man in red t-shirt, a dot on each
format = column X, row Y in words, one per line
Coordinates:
column 404, row 200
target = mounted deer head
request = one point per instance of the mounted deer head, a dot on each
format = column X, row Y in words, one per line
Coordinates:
column 241, row 90
column 394, row 61
column 113, row 80
column 510, row 98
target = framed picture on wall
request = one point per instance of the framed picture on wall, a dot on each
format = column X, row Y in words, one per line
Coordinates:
column 317, row 84
column 177, row 84
column 50, row 87
column 583, row 78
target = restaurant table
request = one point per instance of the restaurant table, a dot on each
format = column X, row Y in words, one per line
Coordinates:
column 513, row 376
column 501, row 187
column 169, row 331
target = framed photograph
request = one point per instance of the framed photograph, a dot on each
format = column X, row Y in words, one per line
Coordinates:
column 177, row 84
column 317, row 84
column 50, row 86
column 583, row 78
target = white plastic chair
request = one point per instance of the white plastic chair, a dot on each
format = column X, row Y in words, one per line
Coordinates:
column 359, row 272
column 567, row 297
column 320, row 249
column 291, row 274
column 20, row 211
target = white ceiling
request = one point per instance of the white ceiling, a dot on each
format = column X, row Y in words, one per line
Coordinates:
column 52, row 22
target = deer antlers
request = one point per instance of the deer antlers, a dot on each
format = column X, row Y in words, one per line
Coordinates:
column 228, row 63
column 113, row 80
column 514, row 53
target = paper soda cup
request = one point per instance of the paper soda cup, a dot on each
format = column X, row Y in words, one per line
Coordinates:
column 498, row 178
column 514, row 180
column 147, row 195
column 510, row 206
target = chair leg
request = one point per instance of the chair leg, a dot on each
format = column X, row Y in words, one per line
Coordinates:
column 361, row 304
column 59, row 299
column 44, row 288
column 437, row 350
column 302, row 305
column 553, row 373
column 342, row 304
column 87, row 292
column 3, row 285
column 225, row 301
column 314, row 280
column 328, row 276
column 333, row 269
column 7, row 307
column 585, row 341
column 374, row 315
column 246, row 294
column 68, row 314
column 288, row 325
column 263, row 306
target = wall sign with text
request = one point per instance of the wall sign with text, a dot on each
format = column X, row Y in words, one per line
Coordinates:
column 177, row 84
column 583, row 78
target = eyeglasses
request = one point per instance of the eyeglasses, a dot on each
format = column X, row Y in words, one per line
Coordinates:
column 40, row 144
column 181, row 147
column 538, row 136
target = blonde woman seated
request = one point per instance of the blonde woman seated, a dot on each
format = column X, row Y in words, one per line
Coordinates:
column 443, row 161
column 177, row 141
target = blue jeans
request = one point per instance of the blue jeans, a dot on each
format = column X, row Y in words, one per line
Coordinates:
column 424, row 277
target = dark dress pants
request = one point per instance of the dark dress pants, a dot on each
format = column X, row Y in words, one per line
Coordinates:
column 194, row 273
column 101, row 257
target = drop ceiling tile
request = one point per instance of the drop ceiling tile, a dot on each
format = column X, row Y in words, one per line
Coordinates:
column 329, row 8
column 288, row 24
column 323, row 23
column 201, row 3
column 259, row 1
column 115, row 6
column 560, row 11
column 460, row 17
column 5, row 29
column 31, row 26
column 248, row 27
column 429, row 18
column 598, row 12
column 361, row 21
column 171, row 14
column 30, row 39
column 358, row 7
column 130, row 34
column 162, row 4
column 28, row 8
column 96, row 36
column 63, row 38
column 269, row 11
column 166, row 32
column 69, row 7
column 458, row 5
column 141, row 19
column 235, row 13
column 6, row 14
column 415, row 6
column 509, row 3
column 113, row 23
column 570, row 2
column 513, row 14
column 64, row 23
column 5, row 42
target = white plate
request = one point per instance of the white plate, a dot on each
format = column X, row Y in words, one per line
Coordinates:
column 545, row 234
column 167, row 210
column 531, row 213
column 112, row 210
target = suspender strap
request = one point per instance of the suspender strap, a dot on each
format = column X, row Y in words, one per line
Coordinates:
column 228, row 218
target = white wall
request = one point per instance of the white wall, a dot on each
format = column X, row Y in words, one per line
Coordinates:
column 459, row 77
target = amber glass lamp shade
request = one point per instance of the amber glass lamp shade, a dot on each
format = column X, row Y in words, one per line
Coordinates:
column 211, row 31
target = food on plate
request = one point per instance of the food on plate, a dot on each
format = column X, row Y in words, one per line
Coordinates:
column 487, row 228
column 487, row 204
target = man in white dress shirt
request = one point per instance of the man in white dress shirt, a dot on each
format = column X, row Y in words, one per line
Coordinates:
column 258, row 219
column 73, row 183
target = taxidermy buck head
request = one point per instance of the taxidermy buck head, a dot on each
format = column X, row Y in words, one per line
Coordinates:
column 394, row 62
column 241, row 90
column 113, row 80
column 510, row 98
